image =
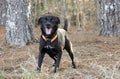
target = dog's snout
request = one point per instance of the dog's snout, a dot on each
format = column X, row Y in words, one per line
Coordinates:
column 48, row 25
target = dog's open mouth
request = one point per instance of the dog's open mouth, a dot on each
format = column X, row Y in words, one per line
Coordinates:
column 48, row 31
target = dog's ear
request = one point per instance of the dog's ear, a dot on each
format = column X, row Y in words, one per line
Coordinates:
column 40, row 20
column 58, row 20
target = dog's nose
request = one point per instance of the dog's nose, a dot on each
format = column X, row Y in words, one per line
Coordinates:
column 48, row 25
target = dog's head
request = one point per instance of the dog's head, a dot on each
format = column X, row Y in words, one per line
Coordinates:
column 49, row 24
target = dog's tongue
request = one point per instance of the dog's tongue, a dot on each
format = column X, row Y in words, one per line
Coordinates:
column 48, row 31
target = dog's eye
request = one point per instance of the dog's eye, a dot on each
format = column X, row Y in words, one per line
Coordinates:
column 52, row 20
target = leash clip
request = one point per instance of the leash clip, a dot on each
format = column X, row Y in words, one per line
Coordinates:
column 48, row 47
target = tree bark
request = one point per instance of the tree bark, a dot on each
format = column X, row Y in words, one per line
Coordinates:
column 19, row 29
column 2, row 12
column 63, row 12
column 108, row 12
column 77, row 13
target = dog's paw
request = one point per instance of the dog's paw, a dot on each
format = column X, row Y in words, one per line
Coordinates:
column 56, row 70
column 74, row 66
column 38, row 70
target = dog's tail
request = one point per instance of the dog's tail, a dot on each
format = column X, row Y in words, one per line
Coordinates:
column 65, row 24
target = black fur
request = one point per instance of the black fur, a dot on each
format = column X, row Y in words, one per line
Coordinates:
column 49, row 22
column 54, row 49
column 65, row 24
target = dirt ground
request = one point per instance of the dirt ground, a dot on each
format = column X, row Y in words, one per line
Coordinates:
column 97, row 57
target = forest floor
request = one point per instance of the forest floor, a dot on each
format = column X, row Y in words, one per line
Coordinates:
column 96, row 57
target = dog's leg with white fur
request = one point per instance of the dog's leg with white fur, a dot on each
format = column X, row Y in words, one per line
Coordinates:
column 68, row 44
column 68, row 47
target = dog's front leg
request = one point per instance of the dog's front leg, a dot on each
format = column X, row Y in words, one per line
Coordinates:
column 40, row 60
column 59, row 54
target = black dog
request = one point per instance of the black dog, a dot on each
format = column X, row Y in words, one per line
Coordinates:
column 53, row 41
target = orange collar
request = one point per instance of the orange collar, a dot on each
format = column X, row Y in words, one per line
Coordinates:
column 51, row 40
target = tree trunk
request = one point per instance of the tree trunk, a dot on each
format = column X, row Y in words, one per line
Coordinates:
column 19, row 29
column 63, row 12
column 2, row 12
column 108, row 12
column 77, row 13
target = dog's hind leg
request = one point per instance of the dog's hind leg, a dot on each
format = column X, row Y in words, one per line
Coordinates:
column 68, row 47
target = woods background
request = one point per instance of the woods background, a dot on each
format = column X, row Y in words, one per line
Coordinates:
column 20, row 17
column 78, row 12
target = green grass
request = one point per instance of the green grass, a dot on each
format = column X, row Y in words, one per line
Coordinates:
column 28, row 75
